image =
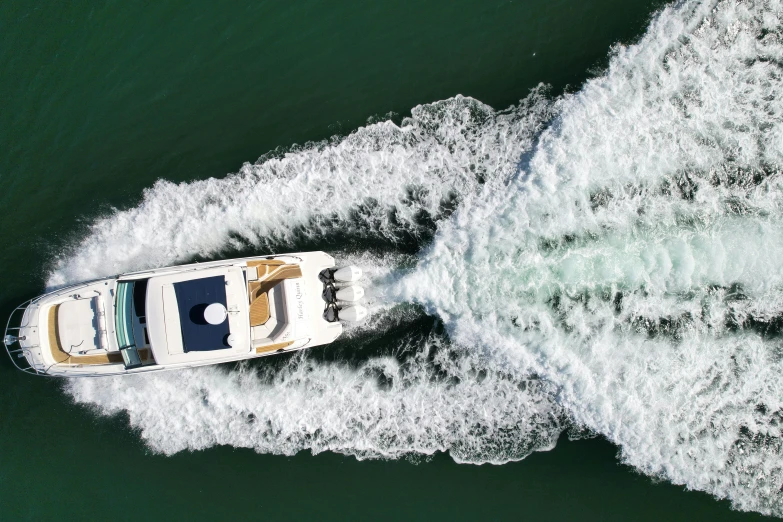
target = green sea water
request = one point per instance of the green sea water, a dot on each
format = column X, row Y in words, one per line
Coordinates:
column 101, row 99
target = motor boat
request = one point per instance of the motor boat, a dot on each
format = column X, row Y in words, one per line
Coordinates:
column 185, row 316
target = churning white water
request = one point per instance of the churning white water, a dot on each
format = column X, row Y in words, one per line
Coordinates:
column 614, row 262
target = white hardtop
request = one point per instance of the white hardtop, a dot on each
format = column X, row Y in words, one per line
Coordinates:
column 163, row 320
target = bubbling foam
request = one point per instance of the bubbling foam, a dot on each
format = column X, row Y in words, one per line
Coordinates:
column 636, row 263
column 419, row 395
column 433, row 402
column 381, row 181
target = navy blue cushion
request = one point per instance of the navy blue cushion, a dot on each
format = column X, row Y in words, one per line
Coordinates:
column 193, row 297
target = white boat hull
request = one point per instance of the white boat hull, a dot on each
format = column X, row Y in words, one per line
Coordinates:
column 274, row 305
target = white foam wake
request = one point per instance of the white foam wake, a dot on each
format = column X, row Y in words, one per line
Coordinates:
column 622, row 244
column 380, row 409
column 380, row 182
column 636, row 264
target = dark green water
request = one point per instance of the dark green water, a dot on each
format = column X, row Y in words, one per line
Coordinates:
column 99, row 100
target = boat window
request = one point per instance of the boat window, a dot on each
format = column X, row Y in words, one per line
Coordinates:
column 124, row 315
column 140, row 299
column 123, row 321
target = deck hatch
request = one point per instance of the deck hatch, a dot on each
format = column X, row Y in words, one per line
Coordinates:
column 192, row 299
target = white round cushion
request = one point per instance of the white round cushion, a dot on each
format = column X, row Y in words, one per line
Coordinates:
column 215, row 313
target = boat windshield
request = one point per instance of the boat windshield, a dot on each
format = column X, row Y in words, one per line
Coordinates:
column 124, row 315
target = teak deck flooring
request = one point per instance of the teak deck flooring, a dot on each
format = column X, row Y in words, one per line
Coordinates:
column 60, row 356
column 270, row 273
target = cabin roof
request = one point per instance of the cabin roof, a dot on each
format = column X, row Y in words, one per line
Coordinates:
column 193, row 297
column 175, row 314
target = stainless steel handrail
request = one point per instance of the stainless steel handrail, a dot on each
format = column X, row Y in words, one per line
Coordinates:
column 9, row 340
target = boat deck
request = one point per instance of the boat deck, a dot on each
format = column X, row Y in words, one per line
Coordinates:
column 269, row 272
column 60, row 356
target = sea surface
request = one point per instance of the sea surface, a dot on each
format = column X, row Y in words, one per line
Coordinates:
column 570, row 216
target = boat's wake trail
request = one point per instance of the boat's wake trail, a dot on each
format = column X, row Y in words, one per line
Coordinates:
column 614, row 262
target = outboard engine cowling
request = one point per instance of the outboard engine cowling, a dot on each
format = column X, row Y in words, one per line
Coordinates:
column 348, row 273
column 350, row 293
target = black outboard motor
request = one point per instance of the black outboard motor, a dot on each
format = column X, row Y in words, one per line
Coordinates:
column 338, row 300
column 329, row 294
